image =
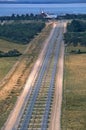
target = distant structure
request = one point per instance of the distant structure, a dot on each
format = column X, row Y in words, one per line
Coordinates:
column 46, row 15
column 43, row 14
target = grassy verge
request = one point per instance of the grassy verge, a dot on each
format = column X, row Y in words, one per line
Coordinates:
column 71, row 48
column 74, row 93
column 6, row 46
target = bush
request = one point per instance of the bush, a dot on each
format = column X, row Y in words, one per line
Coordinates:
column 20, row 32
column 76, row 33
column 11, row 53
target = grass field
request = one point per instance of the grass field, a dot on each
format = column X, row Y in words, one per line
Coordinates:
column 74, row 93
column 6, row 46
column 7, row 63
column 72, row 48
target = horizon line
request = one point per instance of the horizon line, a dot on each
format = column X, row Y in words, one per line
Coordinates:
column 27, row 2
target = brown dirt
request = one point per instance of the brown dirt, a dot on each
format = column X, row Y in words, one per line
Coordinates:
column 56, row 110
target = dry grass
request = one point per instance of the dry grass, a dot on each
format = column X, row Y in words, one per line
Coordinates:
column 5, row 66
column 6, row 46
column 72, row 48
column 74, row 94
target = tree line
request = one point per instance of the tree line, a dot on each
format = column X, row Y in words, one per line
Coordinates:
column 76, row 33
column 22, row 17
column 40, row 17
column 72, row 16
column 20, row 32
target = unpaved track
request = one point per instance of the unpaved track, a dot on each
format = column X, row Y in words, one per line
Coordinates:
column 17, row 112
column 56, row 111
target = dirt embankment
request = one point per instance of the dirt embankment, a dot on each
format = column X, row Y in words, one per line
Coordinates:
column 55, row 123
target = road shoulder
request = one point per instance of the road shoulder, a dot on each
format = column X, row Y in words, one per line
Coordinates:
column 56, row 110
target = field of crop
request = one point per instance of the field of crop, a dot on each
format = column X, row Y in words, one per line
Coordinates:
column 72, row 48
column 74, row 93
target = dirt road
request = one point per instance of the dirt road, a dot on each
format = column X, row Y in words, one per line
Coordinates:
column 56, row 111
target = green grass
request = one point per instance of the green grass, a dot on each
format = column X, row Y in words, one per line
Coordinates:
column 7, row 63
column 5, row 66
column 22, row 33
column 72, row 48
column 74, row 93
column 6, row 46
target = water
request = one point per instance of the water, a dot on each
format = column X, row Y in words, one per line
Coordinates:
column 9, row 9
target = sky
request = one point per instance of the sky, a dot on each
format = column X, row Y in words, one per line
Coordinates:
column 62, row 1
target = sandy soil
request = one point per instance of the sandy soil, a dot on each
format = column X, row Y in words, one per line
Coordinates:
column 56, row 110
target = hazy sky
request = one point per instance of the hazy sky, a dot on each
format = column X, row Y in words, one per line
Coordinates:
column 64, row 1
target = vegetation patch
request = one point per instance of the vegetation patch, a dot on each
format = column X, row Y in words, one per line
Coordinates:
column 75, row 49
column 72, row 16
column 6, row 46
column 22, row 17
column 20, row 32
column 76, row 33
column 5, row 65
column 11, row 53
column 74, row 93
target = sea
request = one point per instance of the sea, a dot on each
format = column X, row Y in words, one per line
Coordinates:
column 56, row 9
